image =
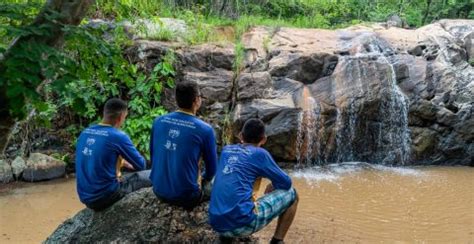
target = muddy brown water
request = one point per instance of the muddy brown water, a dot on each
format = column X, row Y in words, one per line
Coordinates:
column 348, row 203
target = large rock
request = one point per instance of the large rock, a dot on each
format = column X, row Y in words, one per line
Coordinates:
column 138, row 218
column 18, row 166
column 6, row 174
column 392, row 96
column 43, row 167
column 395, row 21
column 364, row 93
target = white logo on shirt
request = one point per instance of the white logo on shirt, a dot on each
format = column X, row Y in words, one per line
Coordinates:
column 170, row 146
column 173, row 133
column 90, row 141
column 228, row 168
column 87, row 152
column 232, row 160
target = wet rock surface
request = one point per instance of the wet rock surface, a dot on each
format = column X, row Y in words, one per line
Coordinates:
column 6, row 174
column 377, row 94
column 18, row 166
column 138, row 218
column 43, row 167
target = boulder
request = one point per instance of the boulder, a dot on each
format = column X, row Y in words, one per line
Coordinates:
column 364, row 93
column 43, row 167
column 215, row 86
column 299, row 66
column 6, row 174
column 395, row 21
column 145, row 28
column 253, row 85
column 207, row 57
column 160, row 28
column 18, row 166
column 138, row 218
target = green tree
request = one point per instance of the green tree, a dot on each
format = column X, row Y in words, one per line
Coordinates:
column 45, row 32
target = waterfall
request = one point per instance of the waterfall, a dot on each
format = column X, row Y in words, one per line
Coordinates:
column 307, row 141
column 370, row 122
column 398, row 116
column 385, row 142
column 346, row 134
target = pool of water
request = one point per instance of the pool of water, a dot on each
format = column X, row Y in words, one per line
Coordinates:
column 353, row 202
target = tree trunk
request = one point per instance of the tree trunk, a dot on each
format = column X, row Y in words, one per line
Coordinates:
column 71, row 12
column 6, row 122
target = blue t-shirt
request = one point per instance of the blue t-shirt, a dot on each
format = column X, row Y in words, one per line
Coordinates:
column 97, row 151
column 239, row 167
column 178, row 141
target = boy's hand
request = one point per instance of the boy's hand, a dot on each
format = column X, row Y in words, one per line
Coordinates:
column 127, row 165
column 269, row 188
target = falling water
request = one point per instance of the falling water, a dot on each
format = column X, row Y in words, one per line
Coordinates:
column 396, row 125
column 307, row 142
column 386, row 133
column 398, row 118
column 392, row 137
column 345, row 136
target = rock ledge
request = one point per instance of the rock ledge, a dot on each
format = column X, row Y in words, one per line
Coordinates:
column 138, row 218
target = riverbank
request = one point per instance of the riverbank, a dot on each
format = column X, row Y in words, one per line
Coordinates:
column 350, row 203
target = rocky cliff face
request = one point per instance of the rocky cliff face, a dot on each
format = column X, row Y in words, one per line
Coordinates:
column 138, row 218
column 375, row 94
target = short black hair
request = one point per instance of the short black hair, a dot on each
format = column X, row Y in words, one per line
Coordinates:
column 253, row 131
column 114, row 107
column 186, row 93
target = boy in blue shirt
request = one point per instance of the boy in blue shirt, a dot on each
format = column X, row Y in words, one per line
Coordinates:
column 178, row 141
column 100, row 153
column 233, row 212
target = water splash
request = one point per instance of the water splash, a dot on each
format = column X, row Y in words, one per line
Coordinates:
column 336, row 172
column 404, row 171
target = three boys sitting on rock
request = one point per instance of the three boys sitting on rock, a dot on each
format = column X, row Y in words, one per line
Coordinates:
column 178, row 141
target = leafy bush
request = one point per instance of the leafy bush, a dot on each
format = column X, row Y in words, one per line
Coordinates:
column 82, row 76
column 285, row 9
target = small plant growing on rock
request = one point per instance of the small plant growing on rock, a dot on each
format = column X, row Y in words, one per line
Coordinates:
column 239, row 57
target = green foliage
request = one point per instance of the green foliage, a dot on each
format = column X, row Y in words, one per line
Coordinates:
column 200, row 32
column 266, row 44
column 63, row 157
column 14, row 15
column 239, row 57
column 144, row 105
column 91, row 68
column 126, row 9
column 333, row 13
column 227, row 134
column 106, row 73
column 163, row 34
column 29, row 67
column 82, row 76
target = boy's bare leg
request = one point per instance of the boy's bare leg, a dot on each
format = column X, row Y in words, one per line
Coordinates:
column 285, row 220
